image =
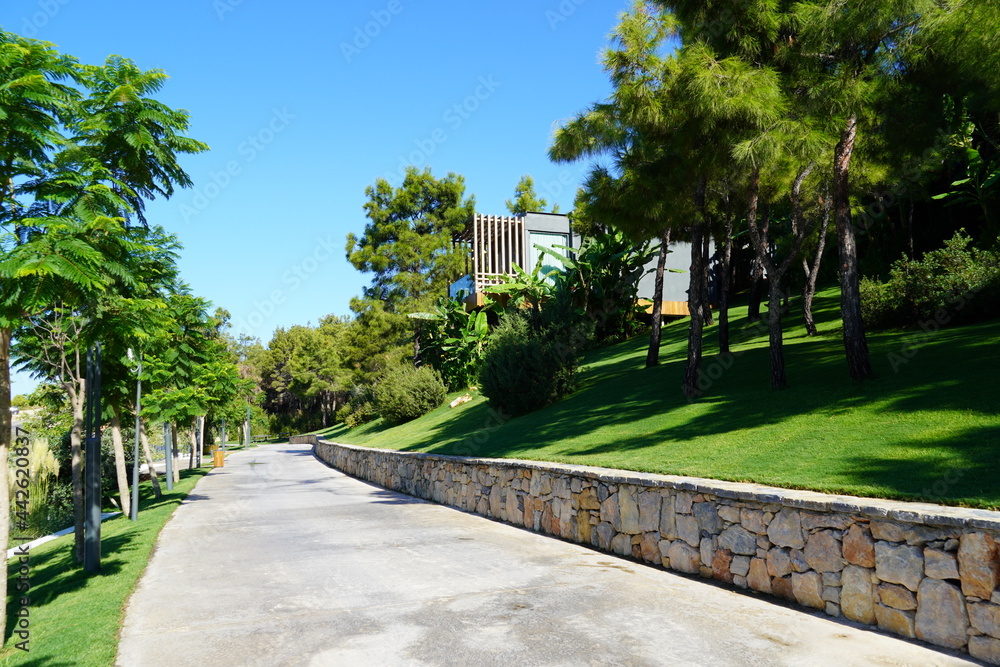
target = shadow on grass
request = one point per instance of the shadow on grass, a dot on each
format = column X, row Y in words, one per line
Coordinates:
column 967, row 477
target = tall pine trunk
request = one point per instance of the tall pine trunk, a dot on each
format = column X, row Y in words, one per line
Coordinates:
column 153, row 477
column 725, row 262
column 705, row 265
column 855, row 344
column 775, row 338
column 775, row 272
column 653, row 355
column 761, row 241
column 812, row 272
column 5, row 429
column 756, row 287
column 692, row 368
column 119, row 450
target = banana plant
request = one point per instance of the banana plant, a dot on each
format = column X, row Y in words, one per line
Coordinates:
column 530, row 288
column 454, row 340
column 977, row 188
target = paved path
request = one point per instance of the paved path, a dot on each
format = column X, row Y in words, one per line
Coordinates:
column 278, row 560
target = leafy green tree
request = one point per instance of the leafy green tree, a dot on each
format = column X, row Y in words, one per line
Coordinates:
column 74, row 167
column 303, row 372
column 188, row 367
column 978, row 185
column 671, row 126
column 32, row 97
column 134, row 137
column 848, row 58
column 525, row 198
column 127, row 318
column 604, row 278
column 407, row 244
column 632, row 194
column 315, row 372
column 60, row 329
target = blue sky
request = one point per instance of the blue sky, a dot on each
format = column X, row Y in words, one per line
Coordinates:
column 307, row 103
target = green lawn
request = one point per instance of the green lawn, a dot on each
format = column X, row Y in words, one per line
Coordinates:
column 75, row 618
column 928, row 428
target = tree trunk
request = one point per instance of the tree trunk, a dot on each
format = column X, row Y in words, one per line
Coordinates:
column 124, row 493
column 692, row 368
column 653, row 355
column 723, row 278
column 855, row 344
column 909, row 231
column 153, row 477
column 756, row 287
column 193, row 441
column 706, row 295
column 417, row 334
column 776, row 347
column 76, row 395
column 812, row 272
column 761, row 243
column 5, row 428
column 201, row 438
column 175, row 452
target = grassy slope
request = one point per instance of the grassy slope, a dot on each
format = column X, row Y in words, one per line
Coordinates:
column 76, row 618
column 927, row 429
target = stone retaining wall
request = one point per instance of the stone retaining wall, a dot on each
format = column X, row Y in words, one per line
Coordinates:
column 917, row 570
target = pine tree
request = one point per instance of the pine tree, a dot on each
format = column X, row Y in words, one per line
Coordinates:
column 525, row 198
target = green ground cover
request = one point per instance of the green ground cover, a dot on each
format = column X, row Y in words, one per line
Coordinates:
column 75, row 618
column 927, row 428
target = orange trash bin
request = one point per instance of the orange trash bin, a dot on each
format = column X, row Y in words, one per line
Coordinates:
column 218, row 458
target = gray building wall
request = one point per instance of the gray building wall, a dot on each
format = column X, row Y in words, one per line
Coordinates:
column 675, row 285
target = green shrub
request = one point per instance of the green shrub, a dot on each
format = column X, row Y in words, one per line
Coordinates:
column 529, row 365
column 342, row 413
column 956, row 283
column 881, row 305
column 405, row 393
column 360, row 412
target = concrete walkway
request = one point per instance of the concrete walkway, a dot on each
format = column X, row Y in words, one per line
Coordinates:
column 278, row 560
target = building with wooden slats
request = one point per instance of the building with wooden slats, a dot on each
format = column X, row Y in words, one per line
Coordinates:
column 495, row 243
